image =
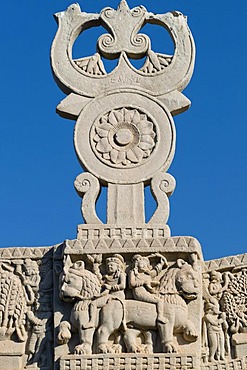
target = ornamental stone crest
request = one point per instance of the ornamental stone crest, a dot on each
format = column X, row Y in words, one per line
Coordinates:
column 125, row 134
column 124, row 294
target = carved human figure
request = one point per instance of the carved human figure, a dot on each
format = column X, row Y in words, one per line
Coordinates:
column 39, row 346
column 113, row 284
column 40, row 316
column 142, row 283
column 27, row 273
column 31, row 273
column 215, row 287
column 216, row 326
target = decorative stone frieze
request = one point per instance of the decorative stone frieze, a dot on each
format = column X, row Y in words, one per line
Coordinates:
column 26, row 308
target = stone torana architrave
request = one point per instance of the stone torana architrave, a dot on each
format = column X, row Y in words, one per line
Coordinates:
column 124, row 295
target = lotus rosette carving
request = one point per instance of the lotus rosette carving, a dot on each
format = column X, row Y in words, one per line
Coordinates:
column 123, row 137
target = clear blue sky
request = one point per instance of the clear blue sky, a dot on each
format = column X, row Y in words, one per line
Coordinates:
column 38, row 165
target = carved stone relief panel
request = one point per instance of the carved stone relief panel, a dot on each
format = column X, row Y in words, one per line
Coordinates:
column 139, row 306
column 135, row 302
column 224, row 339
column 124, row 295
column 26, row 309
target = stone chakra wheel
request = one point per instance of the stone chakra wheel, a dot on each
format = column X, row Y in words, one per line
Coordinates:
column 125, row 137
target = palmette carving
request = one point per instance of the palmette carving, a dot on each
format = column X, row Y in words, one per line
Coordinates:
column 123, row 38
column 91, row 65
column 105, row 308
column 19, row 283
column 156, row 62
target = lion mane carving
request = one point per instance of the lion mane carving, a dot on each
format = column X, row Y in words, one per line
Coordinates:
column 178, row 285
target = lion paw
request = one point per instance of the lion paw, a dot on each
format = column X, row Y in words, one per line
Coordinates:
column 103, row 348
column 169, row 348
column 142, row 348
column 64, row 334
column 138, row 349
column 110, row 348
column 116, row 348
column 83, row 349
column 190, row 335
column 148, row 349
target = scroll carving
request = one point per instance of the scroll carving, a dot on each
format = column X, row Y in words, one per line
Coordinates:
column 123, row 39
column 162, row 187
column 88, row 188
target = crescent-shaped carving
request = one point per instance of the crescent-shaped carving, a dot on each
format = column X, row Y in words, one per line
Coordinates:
column 71, row 78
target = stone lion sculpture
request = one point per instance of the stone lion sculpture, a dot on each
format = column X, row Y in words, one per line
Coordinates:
column 178, row 285
column 80, row 286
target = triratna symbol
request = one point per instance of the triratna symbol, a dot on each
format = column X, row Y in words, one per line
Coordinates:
column 125, row 134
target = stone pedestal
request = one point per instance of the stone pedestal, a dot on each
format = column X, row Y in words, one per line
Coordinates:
column 239, row 342
column 12, row 355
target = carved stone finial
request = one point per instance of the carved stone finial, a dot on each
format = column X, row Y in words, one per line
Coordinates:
column 124, row 137
column 122, row 38
column 123, row 6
